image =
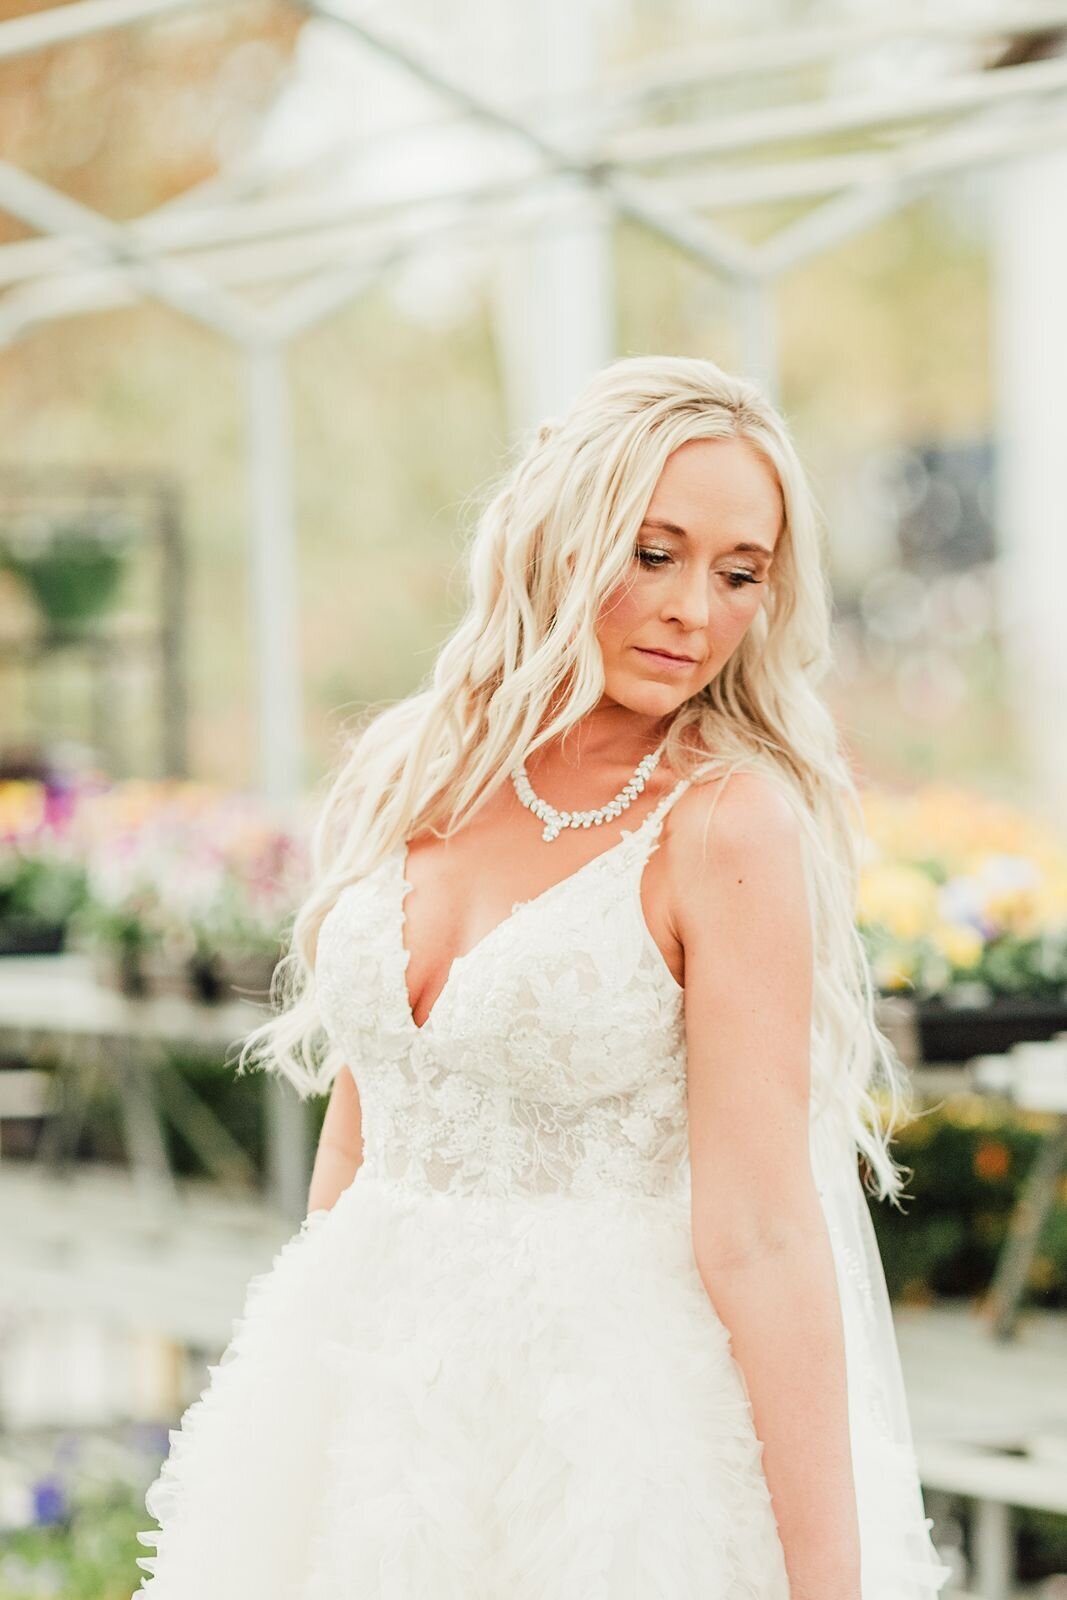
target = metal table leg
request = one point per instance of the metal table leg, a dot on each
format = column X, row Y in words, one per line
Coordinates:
column 994, row 1555
column 288, row 1149
column 1001, row 1304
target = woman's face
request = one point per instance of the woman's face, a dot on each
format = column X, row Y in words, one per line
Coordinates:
column 693, row 588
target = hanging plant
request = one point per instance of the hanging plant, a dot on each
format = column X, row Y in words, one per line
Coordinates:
column 72, row 567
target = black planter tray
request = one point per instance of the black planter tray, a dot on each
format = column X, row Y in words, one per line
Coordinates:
column 956, row 1033
column 27, row 936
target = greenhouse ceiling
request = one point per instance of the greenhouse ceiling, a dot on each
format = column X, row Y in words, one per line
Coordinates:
column 260, row 257
column 749, row 153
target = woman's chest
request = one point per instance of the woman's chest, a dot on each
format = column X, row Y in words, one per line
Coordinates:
column 458, row 893
column 567, row 997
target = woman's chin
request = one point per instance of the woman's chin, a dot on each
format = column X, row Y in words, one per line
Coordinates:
column 648, row 699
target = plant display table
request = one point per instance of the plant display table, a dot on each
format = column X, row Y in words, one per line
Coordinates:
column 1018, row 1053
column 102, row 1038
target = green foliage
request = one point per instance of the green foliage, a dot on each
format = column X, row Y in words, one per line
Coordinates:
column 73, row 574
column 39, row 888
column 239, row 1103
column 968, row 1163
column 88, row 1554
column 1041, row 1544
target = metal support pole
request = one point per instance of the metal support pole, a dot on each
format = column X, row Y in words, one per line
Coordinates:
column 274, row 575
column 288, row 1149
column 554, row 290
column 994, row 1556
column 275, row 622
column 1028, row 1220
column 1030, row 344
column 759, row 335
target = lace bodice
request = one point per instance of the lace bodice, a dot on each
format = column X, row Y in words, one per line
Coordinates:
column 553, row 1060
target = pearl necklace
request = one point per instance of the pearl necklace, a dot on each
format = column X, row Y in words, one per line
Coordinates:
column 555, row 821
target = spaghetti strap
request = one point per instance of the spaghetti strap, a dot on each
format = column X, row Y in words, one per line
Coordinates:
column 656, row 817
column 649, row 830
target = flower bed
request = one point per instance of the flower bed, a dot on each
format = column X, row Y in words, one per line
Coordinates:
column 963, row 897
column 42, row 868
column 171, row 886
column 963, row 908
column 962, row 902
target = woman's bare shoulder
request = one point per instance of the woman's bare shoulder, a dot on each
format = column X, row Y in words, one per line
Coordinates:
column 726, row 815
column 737, row 869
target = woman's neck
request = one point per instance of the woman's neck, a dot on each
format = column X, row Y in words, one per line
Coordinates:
column 610, row 734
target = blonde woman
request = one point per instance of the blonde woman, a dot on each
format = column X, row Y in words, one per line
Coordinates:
column 587, row 1304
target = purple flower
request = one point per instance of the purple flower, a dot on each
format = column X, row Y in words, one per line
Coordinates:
column 49, row 1501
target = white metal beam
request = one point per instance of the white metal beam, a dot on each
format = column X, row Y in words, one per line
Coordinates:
column 622, row 90
column 631, row 198
column 981, row 141
column 847, row 114
column 312, row 222
column 180, row 228
column 903, row 180
column 773, row 50
column 223, row 207
column 21, row 36
column 46, row 208
column 53, row 299
column 359, row 228
column 831, row 223
column 273, row 572
column 364, row 254
column 365, row 250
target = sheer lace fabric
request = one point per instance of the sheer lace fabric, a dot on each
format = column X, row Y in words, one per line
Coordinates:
column 553, row 1060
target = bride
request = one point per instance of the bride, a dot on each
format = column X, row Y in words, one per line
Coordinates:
column 587, row 1302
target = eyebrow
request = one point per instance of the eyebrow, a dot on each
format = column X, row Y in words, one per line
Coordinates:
column 672, row 527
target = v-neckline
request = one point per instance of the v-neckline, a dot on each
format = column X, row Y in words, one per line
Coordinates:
column 404, row 886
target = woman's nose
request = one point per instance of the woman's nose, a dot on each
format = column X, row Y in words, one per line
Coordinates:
column 687, row 604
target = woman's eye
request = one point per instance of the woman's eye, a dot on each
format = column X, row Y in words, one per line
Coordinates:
column 650, row 557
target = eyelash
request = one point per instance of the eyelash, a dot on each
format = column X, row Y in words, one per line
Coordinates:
column 743, row 577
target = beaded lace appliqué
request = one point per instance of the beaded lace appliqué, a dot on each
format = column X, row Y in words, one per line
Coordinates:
column 553, row 1060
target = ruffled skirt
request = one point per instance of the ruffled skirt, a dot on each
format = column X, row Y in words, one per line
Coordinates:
column 433, row 1397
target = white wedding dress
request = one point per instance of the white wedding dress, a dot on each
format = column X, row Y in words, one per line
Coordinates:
column 492, row 1371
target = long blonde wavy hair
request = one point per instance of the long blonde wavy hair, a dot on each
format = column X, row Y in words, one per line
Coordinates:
column 554, row 536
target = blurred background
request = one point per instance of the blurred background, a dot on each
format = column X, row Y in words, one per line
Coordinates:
column 280, row 285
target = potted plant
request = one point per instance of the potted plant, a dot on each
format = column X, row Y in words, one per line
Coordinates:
column 240, row 934
column 42, row 878
column 72, row 566
column 38, row 897
column 189, row 888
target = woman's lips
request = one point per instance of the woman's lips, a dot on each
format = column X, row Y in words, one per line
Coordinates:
column 669, row 663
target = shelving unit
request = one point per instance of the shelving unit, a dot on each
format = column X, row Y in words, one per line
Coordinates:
column 137, row 645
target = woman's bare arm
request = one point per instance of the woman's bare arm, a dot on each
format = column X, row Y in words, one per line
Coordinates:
column 759, row 1235
column 340, row 1149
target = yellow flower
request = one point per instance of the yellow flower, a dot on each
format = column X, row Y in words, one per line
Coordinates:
column 958, row 943
column 899, row 897
column 1050, row 897
column 1015, row 911
column 21, row 805
column 891, row 970
column 963, row 831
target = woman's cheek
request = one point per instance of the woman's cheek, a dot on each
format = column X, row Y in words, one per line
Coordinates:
column 621, row 610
